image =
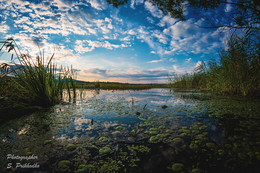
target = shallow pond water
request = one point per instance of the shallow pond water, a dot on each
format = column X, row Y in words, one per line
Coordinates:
column 152, row 130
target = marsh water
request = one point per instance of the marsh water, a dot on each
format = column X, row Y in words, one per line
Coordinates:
column 155, row 130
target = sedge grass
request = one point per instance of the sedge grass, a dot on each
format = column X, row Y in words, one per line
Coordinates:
column 43, row 81
column 237, row 72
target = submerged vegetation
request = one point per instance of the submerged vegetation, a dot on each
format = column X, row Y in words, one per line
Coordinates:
column 189, row 135
column 236, row 73
column 31, row 81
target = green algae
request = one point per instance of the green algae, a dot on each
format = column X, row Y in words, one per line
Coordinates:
column 178, row 141
column 193, row 146
column 197, row 170
column 105, row 150
column 116, row 133
column 211, row 145
column 177, row 167
column 119, row 127
column 64, row 165
column 133, row 132
column 103, row 139
column 84, row 168
column 169, row 131
column 71, row 147
column 157, row 138
column 47, row 142
column 237, row 149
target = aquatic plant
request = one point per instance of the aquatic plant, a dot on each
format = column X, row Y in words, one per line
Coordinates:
column 236, row 73
column 38, row 77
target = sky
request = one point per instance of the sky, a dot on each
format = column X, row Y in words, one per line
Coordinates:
column 134, row 43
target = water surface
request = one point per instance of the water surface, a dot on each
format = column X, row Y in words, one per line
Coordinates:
column 152, row 130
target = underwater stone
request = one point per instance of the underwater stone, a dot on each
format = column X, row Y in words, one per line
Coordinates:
column 104, row 150
column 130, row 139
column 177, row 167
column 71, row 147
column 64, row 165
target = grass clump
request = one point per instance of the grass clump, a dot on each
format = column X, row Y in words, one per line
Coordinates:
column 33, row 80
column 236, row 73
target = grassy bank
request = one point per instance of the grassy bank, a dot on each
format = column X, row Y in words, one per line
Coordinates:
column 31, row 82
column 236, row 73
column 117, row 85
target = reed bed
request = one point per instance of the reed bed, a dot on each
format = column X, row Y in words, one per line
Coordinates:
column 37, row 79
column 118, row 86
column 236, row 73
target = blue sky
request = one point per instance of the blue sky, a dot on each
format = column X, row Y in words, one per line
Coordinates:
column 134, row 43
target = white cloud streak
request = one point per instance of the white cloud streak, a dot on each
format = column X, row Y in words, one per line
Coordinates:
column 156, row 61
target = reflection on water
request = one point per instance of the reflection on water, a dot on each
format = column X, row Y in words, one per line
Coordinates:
column 118, row 119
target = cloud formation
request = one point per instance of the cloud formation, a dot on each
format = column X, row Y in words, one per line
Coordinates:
column 115, row 37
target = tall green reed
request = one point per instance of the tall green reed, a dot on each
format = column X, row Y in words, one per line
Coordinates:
column 43, row 80
column 237, row 72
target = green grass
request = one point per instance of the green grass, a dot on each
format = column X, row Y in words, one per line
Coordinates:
column 32, row 81
column 117, row 85
column 236, row 73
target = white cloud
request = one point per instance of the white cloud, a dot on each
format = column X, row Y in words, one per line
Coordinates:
column 91, row 45
column 132, row 4
column 104, row 25
column 187, row 60
column 156, row 61
column 96, row 4
column 198, row 64
column 228, row 7
column 128, row 74
column 144, row 35
column 153, row 9
column 136, row 2
column 177, row 70
column 185, row 36
column 4, row 27
column 149, row 19
column 172, row 60
column 167, row 20
column 160, row 36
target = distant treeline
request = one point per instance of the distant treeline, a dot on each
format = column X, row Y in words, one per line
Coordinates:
column 117, row 85
column 237, row 72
